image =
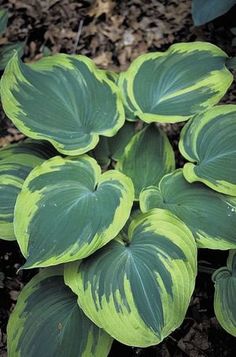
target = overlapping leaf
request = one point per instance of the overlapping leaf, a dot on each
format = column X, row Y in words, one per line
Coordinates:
column 113, row 148
column 64, row 99
column 225, row 292
column 205, row 10
column 129, row 108
column 210, row 216
column 138, row 286
column 147, row 158
column 67, row 210
column 173, row 86
column 7, row 51
column 16, row 161
column 118, row 78
column 47, row 321
column 208, row 141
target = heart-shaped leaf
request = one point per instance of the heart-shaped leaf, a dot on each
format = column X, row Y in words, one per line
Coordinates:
column 16, row 162
column 225, row 292
column 211, row 216
column 209, row 142
column 138, row 287
column 48, row 322
column 173, row 86
column 67, row 210
column 147, row 158
column 64, row 99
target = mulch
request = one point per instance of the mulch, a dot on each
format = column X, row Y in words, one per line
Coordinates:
column 113, row 33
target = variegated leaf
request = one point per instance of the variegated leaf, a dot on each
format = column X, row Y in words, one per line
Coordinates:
column 16, row 162
column 64, row 99
column 48, row 322
column 8, row 50
column 67, row 210
column 138, row 287
column 211, row 216
column 173, row 86
column 129, row 108
column 208, row 141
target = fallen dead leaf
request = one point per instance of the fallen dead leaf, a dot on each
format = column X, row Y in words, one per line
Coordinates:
column 100, row 7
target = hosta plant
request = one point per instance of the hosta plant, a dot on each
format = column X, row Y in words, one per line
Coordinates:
column 94, row 199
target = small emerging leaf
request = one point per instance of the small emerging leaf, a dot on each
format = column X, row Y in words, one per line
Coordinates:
column 113, row 148
column 47, row 322
column 147, row 158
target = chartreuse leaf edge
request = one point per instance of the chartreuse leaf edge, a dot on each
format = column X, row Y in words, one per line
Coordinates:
column 208, row 142
column 70, row 198
column 16, row 162
column 138, row 288
column 47, row 321
column 64, row 99
column 173, row 86
column 211, row 216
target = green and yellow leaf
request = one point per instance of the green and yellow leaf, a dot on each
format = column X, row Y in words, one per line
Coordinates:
column 64, row 99
column 225, row 292
column 129, row 108
column 211, row 216
column 16, row 162
column 147, row 158
column 67, row 210
column 208, row 141
column 138, row 287
column 8, row 50
column 173, row 86
column 48, row 322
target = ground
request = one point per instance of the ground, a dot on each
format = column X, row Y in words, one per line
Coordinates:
column 113, row 33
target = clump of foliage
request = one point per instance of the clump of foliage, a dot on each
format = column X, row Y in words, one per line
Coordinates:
column 112, row 223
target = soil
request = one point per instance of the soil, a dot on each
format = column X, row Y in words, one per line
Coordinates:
column 113, row 33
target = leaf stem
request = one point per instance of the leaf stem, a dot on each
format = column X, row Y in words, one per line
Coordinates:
column 204, row 269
